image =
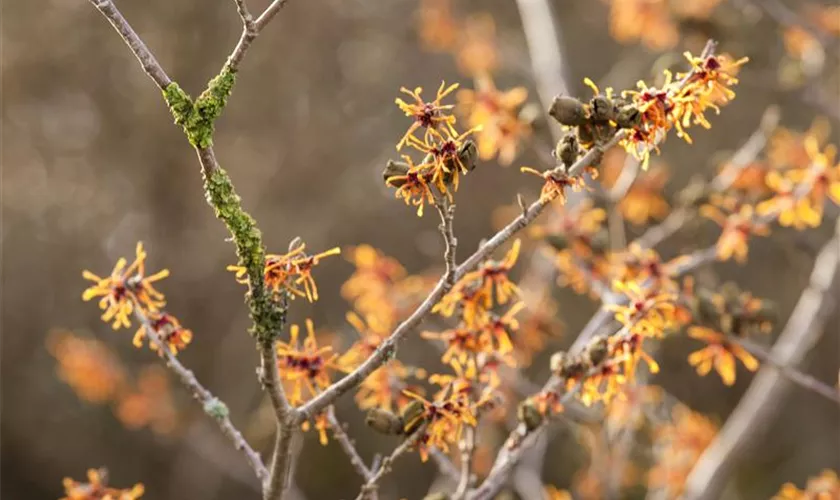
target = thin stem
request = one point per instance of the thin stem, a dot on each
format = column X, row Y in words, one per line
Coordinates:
column 447, row 216
column 138, row 48
column 799, row 378
column 466, row 447
column 388, row 461
column 211, row 404
column 347, row 445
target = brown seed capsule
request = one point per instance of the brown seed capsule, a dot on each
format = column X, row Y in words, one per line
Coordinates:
column 384, row 421
column 601, row 109
column 528, row 414
column 467, row 156
column 558, row 360
column 412, row 417
column 394, row 168
column 573, row 367
column 568, row 111
column 557, row 241
column 597, row 350
column 628, row 117
column 567, row 150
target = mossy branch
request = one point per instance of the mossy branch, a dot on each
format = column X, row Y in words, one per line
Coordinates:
column 268, row 316
column 198, row 118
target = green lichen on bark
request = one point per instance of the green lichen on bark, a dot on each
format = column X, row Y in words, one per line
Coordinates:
column 198, row 117
column 268, row 316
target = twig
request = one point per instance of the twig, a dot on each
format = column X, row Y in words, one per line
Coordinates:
column 347, row 445
column 797, row 377
column 447, row 216
column 758, row 407
column 251, row 28
column 281, row 463
column 138, row 48
column 466, row 447
column 210, row 403
column 445, row 465
column 387, row 462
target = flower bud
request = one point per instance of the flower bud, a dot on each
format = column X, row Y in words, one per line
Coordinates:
column 597, row 351
column 558, row 360
column 412, row 417
column 528, row 414
column 384, row 421
column 568, row 111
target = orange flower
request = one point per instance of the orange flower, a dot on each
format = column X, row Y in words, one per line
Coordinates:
column 446, row 153
column 556, row 182
column 498, row 329
column 125, row 289
column 476, row 52
column 680, row 444
column 645, row 200
column 823, row 174
column 737, row 226
column 719, row 352
column 648, row 312
column 168, row 330
column 150, row 404
column 444, row 419
column 87, row 365
column 496, row 113
column 384, row 387
column 428, row 115
column 97, row 488
column 823, row 487
column 288, row 271
column 414, row 187
column 647, row 21
column 305, row 365
column 438, row 30
column 630, row 349
column 790, row 209
column 493, row 275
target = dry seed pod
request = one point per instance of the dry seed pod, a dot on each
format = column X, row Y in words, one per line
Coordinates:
column 568, row 111
column 557, row 241
column 528, row 414
column 573, row 367
column 394, row 168
column 567, row 150
column 597, row 351
column 586, row 135
column 602, row 109
column 628, row 117
column 558, row 360
column 384, row 421
column 412, row 417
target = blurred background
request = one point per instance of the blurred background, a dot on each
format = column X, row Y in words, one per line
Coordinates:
column 91, row 164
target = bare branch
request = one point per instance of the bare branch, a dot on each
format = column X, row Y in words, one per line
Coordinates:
column 387, row 462
column 347, row 445
column 445, row 465
column 447, row 216
column 769, row 388
column 467, row 447
column 269, row 376
column 138, row 48
column 210, row 403
column 799, row 378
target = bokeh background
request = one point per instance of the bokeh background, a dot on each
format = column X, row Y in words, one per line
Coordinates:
column 91, row 164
